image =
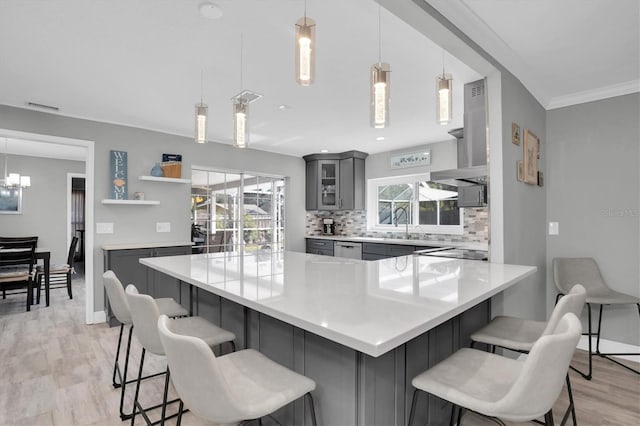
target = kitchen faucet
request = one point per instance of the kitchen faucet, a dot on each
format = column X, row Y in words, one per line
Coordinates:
column 406, row 220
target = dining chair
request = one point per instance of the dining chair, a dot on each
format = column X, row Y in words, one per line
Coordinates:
column 59, row 275
column 145, row 314
column 496, row 386
column 17, row 260
column 568, row 271
column 232, row 388
column 15, row 239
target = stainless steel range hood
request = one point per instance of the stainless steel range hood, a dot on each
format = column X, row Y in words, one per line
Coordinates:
column 472, row 141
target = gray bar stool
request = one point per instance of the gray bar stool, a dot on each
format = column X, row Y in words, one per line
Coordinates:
column 145, row 314
column 496, row 386
column 120, row 309
column 520, row 335
column 229, row 389
column 568, row 271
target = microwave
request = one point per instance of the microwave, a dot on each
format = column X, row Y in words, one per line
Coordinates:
column 472, row 196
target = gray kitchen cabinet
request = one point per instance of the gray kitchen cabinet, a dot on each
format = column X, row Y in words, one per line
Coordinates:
column 335, row 181
column 125, row 263
column 318, row 246
column 375, row 251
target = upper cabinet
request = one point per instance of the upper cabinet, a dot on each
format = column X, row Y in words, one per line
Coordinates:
column 335, row 181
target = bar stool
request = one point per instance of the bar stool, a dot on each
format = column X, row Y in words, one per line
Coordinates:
column 120, row 309
column 229, row 389
column 568, row 271
column 496, row 386
column 145, row 314
column 520, row 335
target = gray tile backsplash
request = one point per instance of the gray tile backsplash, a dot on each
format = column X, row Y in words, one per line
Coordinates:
column 353, row 223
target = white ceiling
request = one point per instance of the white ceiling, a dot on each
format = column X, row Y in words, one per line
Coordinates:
column 565, row 52
column 138, row 63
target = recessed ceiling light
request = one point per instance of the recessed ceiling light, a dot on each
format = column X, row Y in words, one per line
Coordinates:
column 324, row 151
column 283, row 107
column 210, row 10
column 380, row 138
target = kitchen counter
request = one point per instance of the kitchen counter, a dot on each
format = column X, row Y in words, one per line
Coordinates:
column 456, row 244
column 360, row 329
column 133, row 246
column 371, row 307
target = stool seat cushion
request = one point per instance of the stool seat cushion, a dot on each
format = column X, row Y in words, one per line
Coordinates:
column 262, row 385
column 169, row 307
column 510, row 332
column 471, row 378
column 610, row 297
column 203, row 329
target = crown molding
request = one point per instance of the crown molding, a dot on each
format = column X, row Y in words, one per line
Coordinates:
column 619, row 89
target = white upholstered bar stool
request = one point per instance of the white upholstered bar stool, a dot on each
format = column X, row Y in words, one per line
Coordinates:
column 496, row 386
column 229, row 389
column 145, row 314
column 568, row 271
column 519, row 334
column 120, row 309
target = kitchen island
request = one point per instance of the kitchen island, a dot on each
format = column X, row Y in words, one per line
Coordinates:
column 360, row 329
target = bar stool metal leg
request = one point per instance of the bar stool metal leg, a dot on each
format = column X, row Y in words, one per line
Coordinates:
column 414, row 402
column 606, row 355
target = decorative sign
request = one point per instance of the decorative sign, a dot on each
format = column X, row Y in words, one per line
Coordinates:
column 118, row 175
column 413, row 159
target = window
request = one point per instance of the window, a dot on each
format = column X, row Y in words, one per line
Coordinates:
column 235, row 212
column 413, row 202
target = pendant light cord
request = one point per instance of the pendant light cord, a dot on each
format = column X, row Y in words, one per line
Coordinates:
column 241, row 64
column 379, row 37
column 201, row 85
column 305, row 13
column 443, row 63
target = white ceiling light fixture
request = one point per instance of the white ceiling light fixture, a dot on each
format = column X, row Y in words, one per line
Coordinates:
column 305, row 49
column 241, row 108
column 13, row 180
column 380, row 86
column 201, row 116
column 444, row 89
column 210, row 10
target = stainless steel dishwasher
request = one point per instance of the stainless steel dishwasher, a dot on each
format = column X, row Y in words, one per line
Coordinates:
column 347, row 249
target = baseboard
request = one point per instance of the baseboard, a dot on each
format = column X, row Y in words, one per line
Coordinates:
column 99, row 317
column 611, row 346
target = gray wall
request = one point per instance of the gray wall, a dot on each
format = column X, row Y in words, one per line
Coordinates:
column 44, row 204
column 593, row 192
column 135, row 224
column 443, row 156
column 524, row 209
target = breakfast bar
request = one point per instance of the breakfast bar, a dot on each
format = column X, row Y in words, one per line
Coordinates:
column 360, row 329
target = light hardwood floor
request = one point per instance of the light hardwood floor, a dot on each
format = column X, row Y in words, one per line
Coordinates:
column 54, row 370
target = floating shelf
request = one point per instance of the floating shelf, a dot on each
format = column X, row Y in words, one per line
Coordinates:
column 164, row 179
column 132, row 202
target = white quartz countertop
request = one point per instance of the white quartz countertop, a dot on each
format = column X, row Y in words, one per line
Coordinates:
column 369, row 306
column 130, row 246
column 455, row 244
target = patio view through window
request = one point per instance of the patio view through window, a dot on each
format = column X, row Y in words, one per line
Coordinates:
column 236, row 212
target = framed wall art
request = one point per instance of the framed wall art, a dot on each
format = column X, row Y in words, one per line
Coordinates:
column 515, row 134
column 531, row 153
column 10, row 199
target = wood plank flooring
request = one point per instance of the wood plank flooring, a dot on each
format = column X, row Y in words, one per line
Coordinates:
column 54, row 370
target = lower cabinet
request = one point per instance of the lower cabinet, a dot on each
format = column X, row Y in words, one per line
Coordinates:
column 127, row 267
column 319, row 246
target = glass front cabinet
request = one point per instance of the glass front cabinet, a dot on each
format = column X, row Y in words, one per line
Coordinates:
column 335, row 181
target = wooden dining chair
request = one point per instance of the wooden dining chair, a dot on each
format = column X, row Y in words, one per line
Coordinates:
column 17, row 262
column 59, row 275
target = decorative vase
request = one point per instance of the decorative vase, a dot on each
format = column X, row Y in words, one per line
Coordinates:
column 157, row 170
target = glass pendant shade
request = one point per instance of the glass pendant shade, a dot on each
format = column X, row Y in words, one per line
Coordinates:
column 305, row 47
column 201, row 123
column 240, row 123
column 444, row 90
column 380, row 94
column 13, row 179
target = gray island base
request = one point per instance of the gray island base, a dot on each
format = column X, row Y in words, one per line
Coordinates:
column 362, row 330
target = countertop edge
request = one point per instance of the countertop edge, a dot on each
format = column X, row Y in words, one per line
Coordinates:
column 130, row 246
column 456, row 244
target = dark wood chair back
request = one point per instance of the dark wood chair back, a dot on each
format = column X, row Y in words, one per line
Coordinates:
column 18, row 253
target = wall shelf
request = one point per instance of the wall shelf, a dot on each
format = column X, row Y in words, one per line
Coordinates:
column 164, row 179
column 132, row 202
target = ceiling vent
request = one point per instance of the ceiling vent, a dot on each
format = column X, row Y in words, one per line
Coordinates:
column 42, row 106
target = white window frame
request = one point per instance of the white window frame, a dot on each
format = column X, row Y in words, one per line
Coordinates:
column 372, row 208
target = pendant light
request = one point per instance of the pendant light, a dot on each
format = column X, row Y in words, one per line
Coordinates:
column 13, row 180
column 241, row 112
column 444, row 88
column 305, row 49
column 380, row 87
column 201, row 117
